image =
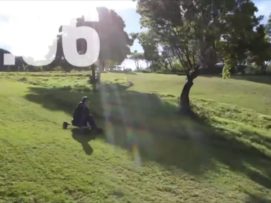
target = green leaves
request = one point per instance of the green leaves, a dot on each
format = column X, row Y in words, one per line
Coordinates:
column 114, row 40
column 228, row 66
column 194, row 29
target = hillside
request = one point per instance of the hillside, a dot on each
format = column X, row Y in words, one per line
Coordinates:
column 148, row 153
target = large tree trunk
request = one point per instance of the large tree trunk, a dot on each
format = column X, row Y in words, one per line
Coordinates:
column 137, row 64
column 93, row 79
column 185, row 106
column 101, row 69
column 170, row 63
column 263, row 69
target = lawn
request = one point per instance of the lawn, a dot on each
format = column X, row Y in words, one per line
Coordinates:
column 148, row 152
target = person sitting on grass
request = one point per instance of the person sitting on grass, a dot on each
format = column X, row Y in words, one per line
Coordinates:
column 82, row 116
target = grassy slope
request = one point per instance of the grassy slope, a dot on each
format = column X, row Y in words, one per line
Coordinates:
column 160, row 156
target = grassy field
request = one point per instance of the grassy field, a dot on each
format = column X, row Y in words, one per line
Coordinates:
column 148, row 152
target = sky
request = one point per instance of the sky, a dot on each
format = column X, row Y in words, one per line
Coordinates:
column 28, row 28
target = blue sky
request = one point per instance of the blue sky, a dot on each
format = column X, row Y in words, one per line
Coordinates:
column 132, row 18
column 264, row 7
column 132, row 21
column 24, row 23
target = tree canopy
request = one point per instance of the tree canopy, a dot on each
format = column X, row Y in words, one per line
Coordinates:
column 202, row 32
column 114, row 41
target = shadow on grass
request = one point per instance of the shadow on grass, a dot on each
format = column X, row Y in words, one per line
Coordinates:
column 264, row 79
column 83, row 136
column 264, row 142
column 257, row 199
column 151, row 130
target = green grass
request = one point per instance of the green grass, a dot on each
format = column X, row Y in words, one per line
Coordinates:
column 148, row 152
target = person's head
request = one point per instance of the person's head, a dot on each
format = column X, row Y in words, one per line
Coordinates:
column 84, row 99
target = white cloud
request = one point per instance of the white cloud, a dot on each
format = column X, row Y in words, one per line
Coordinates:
column 264, row 7
column 29, row 27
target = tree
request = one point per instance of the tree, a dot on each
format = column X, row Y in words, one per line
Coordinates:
column 239, row 32
column 260, row 49
column 149, row 43
column 178, row 24
column 268, row 27
column 193, row 29
column 136, row 57
column 114, row 41
column 20, row 64
column 168, row 58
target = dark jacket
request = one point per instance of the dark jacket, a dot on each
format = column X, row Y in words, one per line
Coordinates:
column 80, row 115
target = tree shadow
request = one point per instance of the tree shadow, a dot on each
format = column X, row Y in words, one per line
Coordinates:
column 257, row 199
column 263, row 140
column 152, row 130
column 264, row 79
